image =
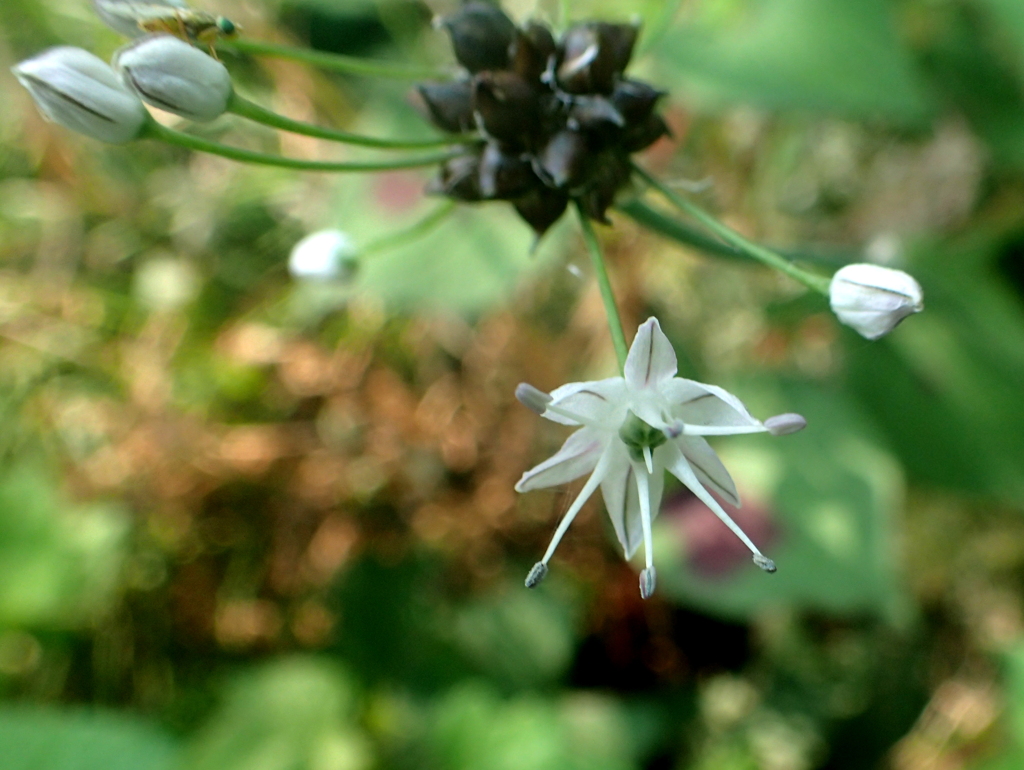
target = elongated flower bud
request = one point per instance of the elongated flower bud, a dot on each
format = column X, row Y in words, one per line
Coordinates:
column 174, row 76
column 873, row 299
column 81, row 92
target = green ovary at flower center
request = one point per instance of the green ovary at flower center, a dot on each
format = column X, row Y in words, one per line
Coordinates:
column 638, row 435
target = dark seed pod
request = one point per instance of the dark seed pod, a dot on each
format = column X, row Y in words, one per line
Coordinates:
column 635, row 100
column 532, row 51
column 559, row 119
column 563, row 161
column 449, row 106
column 617, row 41
column 506, row 107
column 594, row 113
column 643, row 135
column 579, row 48
column 504, row 175
column 542, row 207
column 610, row 172
column 594, row 55
column 458, row 178
column 481, row 36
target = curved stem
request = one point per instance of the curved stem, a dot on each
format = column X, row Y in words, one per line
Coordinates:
column 810, row 280
column 675, row 229
column 416, row 230
column 607, row 296
column 349, row 65
column 241, row 106
column 154, row 130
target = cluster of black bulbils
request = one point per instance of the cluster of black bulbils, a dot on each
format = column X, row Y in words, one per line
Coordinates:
column 558, row 119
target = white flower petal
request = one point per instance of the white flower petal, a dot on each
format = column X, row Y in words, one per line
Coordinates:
column 623, row 501
column 651, row 360
column 602, row 402
column 578, row 455
column 708, row 468
column 696, row 403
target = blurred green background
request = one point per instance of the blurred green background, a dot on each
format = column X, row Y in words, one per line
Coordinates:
column 252, row 523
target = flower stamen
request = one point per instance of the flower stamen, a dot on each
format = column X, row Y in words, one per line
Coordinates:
column 537, row 574
column 643, row 489
column 539, row 402
column 687, row 476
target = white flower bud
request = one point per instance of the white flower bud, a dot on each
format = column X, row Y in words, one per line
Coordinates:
column 873, row 299
column 81, row 92
column 174, row 76
column 324, row 255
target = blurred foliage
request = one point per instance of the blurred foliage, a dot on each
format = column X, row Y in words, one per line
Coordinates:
column 254, row 523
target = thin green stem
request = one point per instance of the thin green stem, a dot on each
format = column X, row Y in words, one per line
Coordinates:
column 350, row 65
column 154, row 130
column 239, row 105
column 413, row 232
column 767, row 256
column 675, row 229
column 607, row 296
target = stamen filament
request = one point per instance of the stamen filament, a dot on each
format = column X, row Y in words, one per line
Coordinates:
column 643, row 489
column 721, row 430
column 649, row 460
column 588, row 489
column 705, row 497
column 570, row 415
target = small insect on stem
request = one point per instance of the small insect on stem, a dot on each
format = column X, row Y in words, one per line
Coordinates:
column 171, row 17
column 192, row 26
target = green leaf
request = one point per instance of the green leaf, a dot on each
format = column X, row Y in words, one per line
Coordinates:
column 833, row 492
column 293, row 714
column 1008, row 22
column 945, row 385
column 475, row 729
column 48, row 739
column 963, row 66
column 59, row 563
column 522, row 638
column 833, row 56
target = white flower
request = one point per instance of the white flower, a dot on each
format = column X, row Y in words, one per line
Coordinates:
column 633, row 429
column 324, row 255
column 81, row 92
column 172, row 75
column 873, row 299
